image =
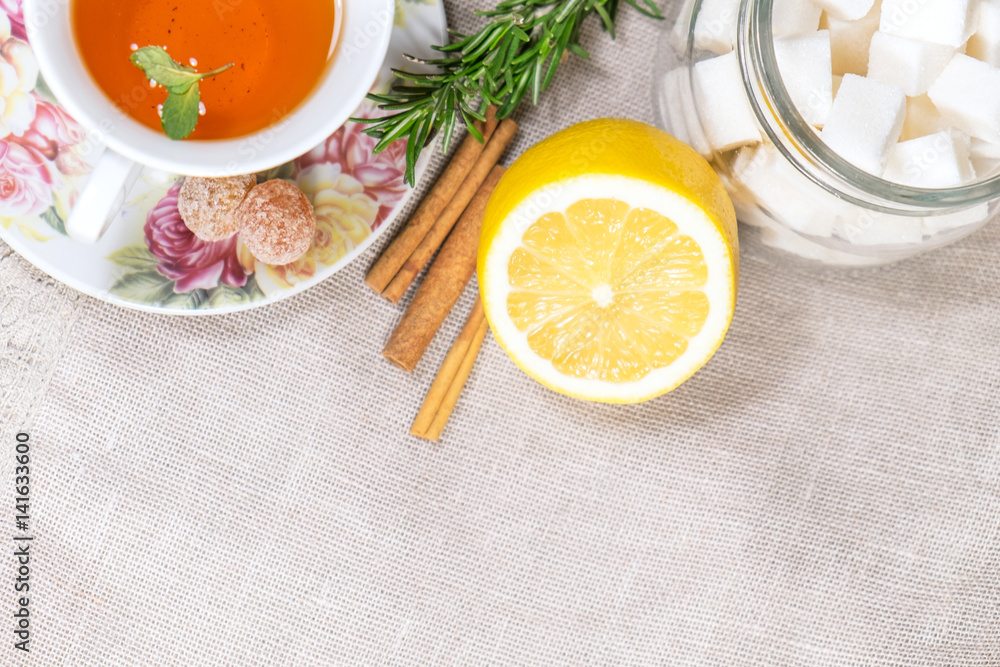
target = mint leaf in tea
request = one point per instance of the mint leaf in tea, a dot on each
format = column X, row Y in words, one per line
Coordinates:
column 180, row 110
column 282, row 50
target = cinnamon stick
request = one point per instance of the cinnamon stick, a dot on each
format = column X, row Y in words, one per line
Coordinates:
column 425, row 250
column 451, row 378
column 430, row 209
column 457, row 385
column 444, row 284
column 490, row 126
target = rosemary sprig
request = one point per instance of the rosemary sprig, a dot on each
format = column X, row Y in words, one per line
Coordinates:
column 516, row 53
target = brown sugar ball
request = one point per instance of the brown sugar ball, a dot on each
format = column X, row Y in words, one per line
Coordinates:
column 277, row 222
column 207, row 205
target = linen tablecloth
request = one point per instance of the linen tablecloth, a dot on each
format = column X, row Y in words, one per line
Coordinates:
column 242, row 490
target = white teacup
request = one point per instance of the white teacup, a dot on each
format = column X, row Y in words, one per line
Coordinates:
column 362, row 39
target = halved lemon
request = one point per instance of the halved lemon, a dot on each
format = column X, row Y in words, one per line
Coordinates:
column 609, row 262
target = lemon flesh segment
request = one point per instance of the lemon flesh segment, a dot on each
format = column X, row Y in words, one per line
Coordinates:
column 607, row 292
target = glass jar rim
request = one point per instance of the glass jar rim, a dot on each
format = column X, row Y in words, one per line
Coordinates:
column 799, row 143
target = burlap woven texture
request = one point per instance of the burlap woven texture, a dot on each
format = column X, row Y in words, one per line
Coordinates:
column 241, row 490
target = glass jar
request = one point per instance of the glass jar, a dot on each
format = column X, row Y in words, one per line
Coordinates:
column 790, row 188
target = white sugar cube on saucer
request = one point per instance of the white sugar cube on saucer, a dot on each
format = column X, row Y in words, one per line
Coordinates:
column 940, row 223
column 968, row 95
column 722, row 103
column 846, row 10
column 922, row 118
column 938, row 160
column 715, row 27
column 865, row 121
column 804, row 63
column 985, row 42
column 949, row 22
column 850, row 42
column 910, row 64
column 791, row 18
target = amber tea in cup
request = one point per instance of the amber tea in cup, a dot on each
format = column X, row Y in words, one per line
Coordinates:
column 279, row 50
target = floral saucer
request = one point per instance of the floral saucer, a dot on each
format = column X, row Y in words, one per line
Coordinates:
column 148, row 259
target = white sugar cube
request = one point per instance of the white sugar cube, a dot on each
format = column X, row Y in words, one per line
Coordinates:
column 985, row 166
column 949, row 22
column 804, row 63
column 752, row 162
column 985, row 157
column 907, row 63
column 776, row 236
column 985, row 43
column 784, row 192
column 681, row 114
column 922, row 118
column 783, row 239
column 936, row 161
column 791, row 18
column 941, row 223
column 680, row 33
column 846, row 10
column 671, row 105
column 715, row 28
column 722, row 103
column 850, row 40
column 865, row 122
column 868, row 228
column 968, row 95
column 984, row 149
column 746, row 167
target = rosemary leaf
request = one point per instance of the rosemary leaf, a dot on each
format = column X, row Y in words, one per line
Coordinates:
column 518, row 49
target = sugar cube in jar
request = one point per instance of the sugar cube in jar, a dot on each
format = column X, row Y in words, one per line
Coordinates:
column 904, row 90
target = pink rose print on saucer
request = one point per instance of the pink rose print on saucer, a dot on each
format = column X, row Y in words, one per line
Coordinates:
column 381, row 176
column 26, row 181
column 14, row 11
column 41, row 143
column 176, row 268
column 36, row 159
column 353, row 191
column 19, row 73
column 183, row 257
column 52, row 131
